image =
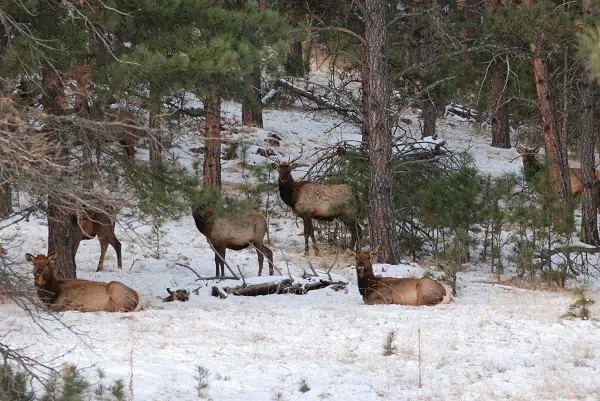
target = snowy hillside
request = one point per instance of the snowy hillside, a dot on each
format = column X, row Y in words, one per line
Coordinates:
column 495, row 343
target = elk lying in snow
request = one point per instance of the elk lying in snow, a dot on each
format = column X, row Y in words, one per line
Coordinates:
column 235, row 233
column 80, row 295
column 532, row 166
column 91, row 224
column 310, row 200
column 391, row 290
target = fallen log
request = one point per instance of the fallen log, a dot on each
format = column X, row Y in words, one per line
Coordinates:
column 286, row 286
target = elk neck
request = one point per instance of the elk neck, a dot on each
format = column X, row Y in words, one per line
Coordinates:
column 49, row 291
column 366, row 281
column 202, row 223
column 287, row 189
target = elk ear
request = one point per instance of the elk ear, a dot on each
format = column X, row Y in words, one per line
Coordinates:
column 52, row 257
column 29, row 257
column 293, row 166
column 274, row 166
column 535, row 150
column 351, row 252
column 519, row 150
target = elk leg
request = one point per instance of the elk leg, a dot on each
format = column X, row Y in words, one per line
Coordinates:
column 355, row 232
column 269, row 254
column 103, row 248
column 224, row 250
column 217, row 261
column 307, row 224
column 261, row 258
column 312, row 236
column 116, row 244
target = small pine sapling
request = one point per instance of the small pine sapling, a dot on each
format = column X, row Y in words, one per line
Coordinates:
column 389, row 348
column 580, row 309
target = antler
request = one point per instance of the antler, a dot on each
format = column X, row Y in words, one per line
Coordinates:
column 299, row 156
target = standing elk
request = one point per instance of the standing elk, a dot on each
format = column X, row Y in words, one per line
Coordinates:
column 61, row 295
column 310, row 200
column 532, row 166
column 90, row 224
column 400, row 291
column 236, row 233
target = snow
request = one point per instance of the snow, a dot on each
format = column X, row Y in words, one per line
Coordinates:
column 496, row 342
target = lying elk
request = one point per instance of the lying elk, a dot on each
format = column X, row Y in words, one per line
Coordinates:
column 90, row 224
column 310, row 200
column 391, row 290
column 80, row 295
column 236, row 233
column 532, row 166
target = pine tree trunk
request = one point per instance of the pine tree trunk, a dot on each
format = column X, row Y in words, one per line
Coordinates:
column 500, row 127
column 60, row 224
column 554, row 151
column 591, row 189
column 294, row 64
column 212, row 142
column 378, row 122
column 429, row 117
column 252, row 106
column 154, row 140
column 60, row 239
column 365, row 99
column 5, row 200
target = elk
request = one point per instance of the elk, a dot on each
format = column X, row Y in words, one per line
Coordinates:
column 310, row 200
column 235, row 233
column 88, row 225
column 61, row 295
column 532, row 166
column 400, row 291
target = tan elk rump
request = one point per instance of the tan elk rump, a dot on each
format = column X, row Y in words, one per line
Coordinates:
column 80, row 295
column 400, row 291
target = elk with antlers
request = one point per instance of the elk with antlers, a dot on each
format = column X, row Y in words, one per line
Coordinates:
column 235, row 233
column 310, row 200
column 80, row 295
column 532, row 166
column 391, row 290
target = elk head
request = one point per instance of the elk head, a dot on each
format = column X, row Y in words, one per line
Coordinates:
column 285, row 168
column 528, row 156
column 43, row 268
column 364, row 267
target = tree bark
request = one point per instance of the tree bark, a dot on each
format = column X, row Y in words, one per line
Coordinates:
column 378, row 122
column 365, row 98
column 5, row 200
column 252, row 105
column 212, row 142
column 294, row 64
column 499, row 112
column 554, row 151
column 591, row 189
column 429, row 117
column 60, row 239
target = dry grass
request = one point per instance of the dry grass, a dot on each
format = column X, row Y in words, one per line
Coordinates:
column 526, row 284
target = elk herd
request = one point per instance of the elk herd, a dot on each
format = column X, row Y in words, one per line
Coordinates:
column 308, row 201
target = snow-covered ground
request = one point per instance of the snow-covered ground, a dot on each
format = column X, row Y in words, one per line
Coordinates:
column 496, row 342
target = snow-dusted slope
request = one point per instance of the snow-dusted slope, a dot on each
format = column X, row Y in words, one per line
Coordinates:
column 495, row 343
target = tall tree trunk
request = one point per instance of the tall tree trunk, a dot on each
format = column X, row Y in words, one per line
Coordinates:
column 252, row 106
column 5, row 200
column 554, row 151
column 499, row 112
column 60, row 222
column 154, row 134
column 294, row 63
column 365, row 98
column 429, row 117
column 212, row 142
column 591, row 189
column 378, row 122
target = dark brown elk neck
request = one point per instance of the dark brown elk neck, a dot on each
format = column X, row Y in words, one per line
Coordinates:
column 50, row 291
column 203, row 223
column 366, row 281
column 288, row 189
